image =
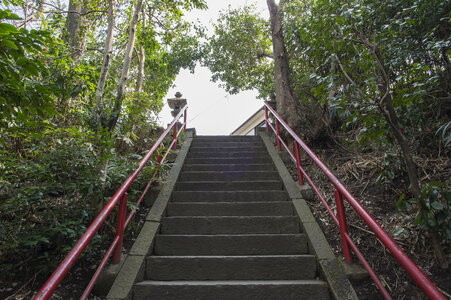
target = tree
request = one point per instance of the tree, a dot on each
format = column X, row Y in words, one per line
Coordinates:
column 106, row 52
column 126, row 68
column 58, row 80
column 75, row 31
column 387, row 62
column 171, row 10
column 239, row 53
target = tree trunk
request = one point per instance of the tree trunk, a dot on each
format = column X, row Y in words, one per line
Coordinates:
column 141, row 60
column 287, row 104
column 75, row 35
column 97, row 199
column 106, row 52
column 304, row 118
column 388, row 111
column 125, row 69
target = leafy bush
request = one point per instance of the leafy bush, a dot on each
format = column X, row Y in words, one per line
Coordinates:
column 45, row 194
column 434, row 214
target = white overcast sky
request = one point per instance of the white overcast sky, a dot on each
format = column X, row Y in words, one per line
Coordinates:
column 211, row 110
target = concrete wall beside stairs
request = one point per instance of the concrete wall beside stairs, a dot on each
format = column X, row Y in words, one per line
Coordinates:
column 230, row 223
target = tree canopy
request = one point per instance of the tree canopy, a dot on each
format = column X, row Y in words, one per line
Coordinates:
column 380, row 71
column 62, row 68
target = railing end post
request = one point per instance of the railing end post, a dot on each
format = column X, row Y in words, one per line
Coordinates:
column 343, row 226
column 184, row 120
column 120, row 228
column 266, row 119
column 298, row 162
column 175, row 136
column 278, row 135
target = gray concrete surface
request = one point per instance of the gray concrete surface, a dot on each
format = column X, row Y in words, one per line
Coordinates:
column 230, row 290
column 281, row 208
column 190, row 268
column 330, row 267
column 133, row 269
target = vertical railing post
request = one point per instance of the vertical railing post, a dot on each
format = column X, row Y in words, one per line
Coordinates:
column 184, row 120
column 266, row 119
column 278, row 135
column 174, row 137
column 120, row 228
column 158, row 165
column 343, row 226
column 298, row 162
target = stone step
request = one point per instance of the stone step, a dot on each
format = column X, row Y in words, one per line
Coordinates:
column 233, row 161
column 229, row 196
column 210, row 149
column 274, row 267
column 230, row 225
column 228, row 175
column 283, row 208
column 229, row 185
column 229, row 138
column 240, row 244
column 247, row 144
column 229, row 167
column 231, row 290
column 234, row 154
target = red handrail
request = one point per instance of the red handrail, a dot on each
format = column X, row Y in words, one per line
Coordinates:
column 415, row 273
column 58, row 275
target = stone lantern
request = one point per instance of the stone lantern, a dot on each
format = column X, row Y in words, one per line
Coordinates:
column 176, row 104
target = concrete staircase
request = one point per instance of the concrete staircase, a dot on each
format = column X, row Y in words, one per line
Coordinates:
column 230, row 223
column 230, row 231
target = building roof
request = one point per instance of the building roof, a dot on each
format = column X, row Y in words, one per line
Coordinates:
column 256, row 119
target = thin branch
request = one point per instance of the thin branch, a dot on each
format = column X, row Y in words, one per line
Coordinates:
column 60, row 11
column 95, row 49
column 374, row 48
column 264, row 54
column 350, row 40
column 349, row 77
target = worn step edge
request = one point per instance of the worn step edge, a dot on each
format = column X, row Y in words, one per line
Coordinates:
column 231, row 244
column 229, row 196
column 227, row 175
column 239, row 150
column 256, row 267
column 219, row 290
column 228, row 185
column 280, row 208
column 230, row 225
column 216, row 154
column 226, row 137
column 229, row 167
column 233, row 161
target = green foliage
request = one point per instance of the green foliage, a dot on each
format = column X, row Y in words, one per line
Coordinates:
column 56, row 160
column 237, row 53
column 26, row 95
column 412, row 36
column 391, row 169
column 45, row 196
column 434, row 214
column 444, row 133
column 358, row 52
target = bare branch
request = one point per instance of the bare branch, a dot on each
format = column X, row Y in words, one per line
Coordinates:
column 60, row 11
column 264, row 54
column 374, row 48
column 349, row 77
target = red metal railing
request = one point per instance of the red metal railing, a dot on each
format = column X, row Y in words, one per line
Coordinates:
column 120, row 196
column 341, row 192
